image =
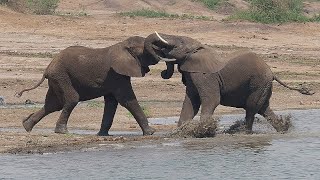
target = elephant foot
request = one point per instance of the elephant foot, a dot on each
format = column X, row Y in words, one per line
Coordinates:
column 103, row 133
column 28, row 123
column 61, row 129
column 149, row 131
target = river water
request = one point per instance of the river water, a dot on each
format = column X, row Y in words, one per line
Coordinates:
column 265, row 155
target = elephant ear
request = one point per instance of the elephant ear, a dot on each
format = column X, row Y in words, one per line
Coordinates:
column 125, row 62
column 204, row 60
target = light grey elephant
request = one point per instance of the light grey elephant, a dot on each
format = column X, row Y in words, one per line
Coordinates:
column 242, row 81
column 79, row 73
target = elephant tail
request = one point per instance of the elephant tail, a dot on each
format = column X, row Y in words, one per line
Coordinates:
column 302, row 90
column 34, row 87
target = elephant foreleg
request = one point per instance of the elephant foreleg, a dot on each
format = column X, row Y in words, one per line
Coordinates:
column 134, row 108
column 209, row 103
column 191, row 105
column 209, row 92
column 110, row 107
column 126, row 97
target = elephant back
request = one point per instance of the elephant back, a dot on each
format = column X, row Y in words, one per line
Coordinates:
column 204, row 60
column 245, row 67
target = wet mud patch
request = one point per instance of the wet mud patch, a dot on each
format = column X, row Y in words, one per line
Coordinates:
column 196, row 129
column 60, row 143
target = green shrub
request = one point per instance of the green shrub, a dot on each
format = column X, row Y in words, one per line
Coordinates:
column 273, row 11
column 42, row 6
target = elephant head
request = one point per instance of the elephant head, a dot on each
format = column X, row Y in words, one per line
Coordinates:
column 188, row 53
column 130, row 57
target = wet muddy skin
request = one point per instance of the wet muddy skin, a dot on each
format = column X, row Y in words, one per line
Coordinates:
column 262, row 155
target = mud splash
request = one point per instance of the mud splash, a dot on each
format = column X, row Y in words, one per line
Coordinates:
column 282, row 125
column 197, row 129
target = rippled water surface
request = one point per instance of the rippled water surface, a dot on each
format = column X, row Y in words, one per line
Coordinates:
column 266, row 155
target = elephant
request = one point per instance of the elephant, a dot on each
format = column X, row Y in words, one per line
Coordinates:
column 80, row 73
column 243, row 80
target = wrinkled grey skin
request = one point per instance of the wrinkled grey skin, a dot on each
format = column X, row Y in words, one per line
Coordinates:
column 243, row 80
column 79, row 73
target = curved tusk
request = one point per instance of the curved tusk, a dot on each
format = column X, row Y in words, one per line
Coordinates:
column 164, row 41
column 167, row 59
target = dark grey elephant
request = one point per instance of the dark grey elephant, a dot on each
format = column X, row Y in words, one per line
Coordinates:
column 79, row 73
column 242, row 81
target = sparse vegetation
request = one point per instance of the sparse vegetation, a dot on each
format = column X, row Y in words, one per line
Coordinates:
column 42, row 7
column 161, row 14
column 211, row 4
column 73, row 14
column 149, row 14
column 263, row 11
column 82, row 12
column 316, row 18
column 275, row 11
column 24, row 54
column 3, row 1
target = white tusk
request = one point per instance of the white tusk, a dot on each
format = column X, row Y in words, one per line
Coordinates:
column 167, row 59
column 164, row 41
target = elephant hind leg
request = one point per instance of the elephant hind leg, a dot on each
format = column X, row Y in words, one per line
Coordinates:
column 52, row 104
column 70, row 98
column 255, row 102
column 265, row 111
column 276, row 122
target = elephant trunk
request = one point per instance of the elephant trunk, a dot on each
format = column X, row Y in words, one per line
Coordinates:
column 167, row 74
column 150, row 47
